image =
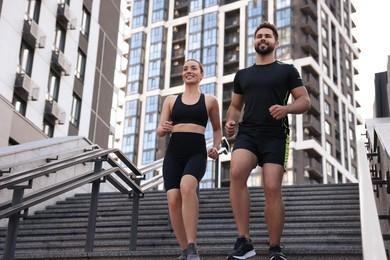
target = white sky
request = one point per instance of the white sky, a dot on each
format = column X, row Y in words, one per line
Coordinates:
column 372, row 33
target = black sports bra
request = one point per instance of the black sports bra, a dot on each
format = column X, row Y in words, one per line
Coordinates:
column 194, row 114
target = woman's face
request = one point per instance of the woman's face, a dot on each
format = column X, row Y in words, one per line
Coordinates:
column 192, row 72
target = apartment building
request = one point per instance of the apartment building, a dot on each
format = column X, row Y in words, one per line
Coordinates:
column 315, row 36
column 58, row 61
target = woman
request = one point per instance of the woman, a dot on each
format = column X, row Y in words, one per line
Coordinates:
column 185, row 117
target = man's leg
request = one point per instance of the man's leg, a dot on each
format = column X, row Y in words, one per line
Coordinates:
column 274, row 206
column 241, row 165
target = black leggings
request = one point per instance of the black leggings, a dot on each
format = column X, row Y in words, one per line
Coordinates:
column 186, row 154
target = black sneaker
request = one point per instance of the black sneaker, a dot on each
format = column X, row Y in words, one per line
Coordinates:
column 243, row 249
column 275, row 253
column 183, row 255
column 192, row 252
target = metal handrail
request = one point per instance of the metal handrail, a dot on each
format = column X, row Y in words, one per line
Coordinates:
column 20, row 202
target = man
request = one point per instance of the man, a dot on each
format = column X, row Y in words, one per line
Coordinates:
column 262, row 137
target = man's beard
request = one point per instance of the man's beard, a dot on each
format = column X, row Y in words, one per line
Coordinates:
column 264, row 51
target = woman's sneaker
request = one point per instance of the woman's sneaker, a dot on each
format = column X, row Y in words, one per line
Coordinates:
column 243, row 249
column 275, row 253
column 192, row 252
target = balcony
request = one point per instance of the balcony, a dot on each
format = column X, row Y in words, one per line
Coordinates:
column 65, row 17
column 314, row 168
column 33, row 35
column 315, row 108
column 309, row 8
column 54, row 112
column 59, row 63
column 309, row 45
column 309, row 26
column 25, row 87
column 311, row 83
column 312, row 124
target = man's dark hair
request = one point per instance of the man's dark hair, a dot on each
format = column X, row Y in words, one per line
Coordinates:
column 270, row 26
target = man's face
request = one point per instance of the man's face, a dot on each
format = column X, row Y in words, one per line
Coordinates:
column 265, row 42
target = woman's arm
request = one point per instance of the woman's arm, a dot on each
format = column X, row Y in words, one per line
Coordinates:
column 165, row 125
column 216, row 124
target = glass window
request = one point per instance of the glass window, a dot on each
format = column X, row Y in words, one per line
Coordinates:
column 19, row 104
column 80, row 66
column 325, row 51
column 76, row 111
column 195, row 54
column 59, row 40
column 324, row 33
column 195, row 5
column 157, row 35
column 328, row 147
column 195, row 24
column 282, row 3
column 208, row 3
column 136, row 40
column 327, row 128
column 135, row 56
column 26, row 57
column 53, row 87
column 155, row 51
column 329, row 169
column 351, row 135
column 326, row 89
column 32, row 11
column 85, row 22
column 48, row 128
column 285, row 36
column 325, row 68
column 327, row 108
column 210, row 20
column 324, row 16
column 283, row 17
column 195, row 40
column 210, row 37
column 154, row 68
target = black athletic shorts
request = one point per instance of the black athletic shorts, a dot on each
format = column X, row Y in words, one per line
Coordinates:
column 186, row 154
column 268, row 148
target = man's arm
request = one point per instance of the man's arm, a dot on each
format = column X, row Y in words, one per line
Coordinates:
column 233, row 114
column 300, row 104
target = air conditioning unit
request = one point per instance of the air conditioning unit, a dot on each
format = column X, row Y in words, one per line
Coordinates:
column 60, row 63
column 33, row 34
column 65, row 16
column 25, row 87
column 54, row 112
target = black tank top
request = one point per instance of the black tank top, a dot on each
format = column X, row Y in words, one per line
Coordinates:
column 194, row 114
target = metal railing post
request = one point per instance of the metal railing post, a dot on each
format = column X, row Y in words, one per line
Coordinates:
column 13, row 224
column 134, row 221
column 93, row 208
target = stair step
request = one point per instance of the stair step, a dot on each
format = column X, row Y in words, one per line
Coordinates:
column 322, row 222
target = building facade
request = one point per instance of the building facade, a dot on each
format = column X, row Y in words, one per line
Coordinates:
column 382, row 93
column 58, row 61
column 315, row 36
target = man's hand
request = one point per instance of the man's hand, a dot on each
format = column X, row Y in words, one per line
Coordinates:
column 278, row 112
column 230, row 128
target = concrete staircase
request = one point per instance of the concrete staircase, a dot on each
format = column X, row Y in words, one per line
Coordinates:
column 322, row 222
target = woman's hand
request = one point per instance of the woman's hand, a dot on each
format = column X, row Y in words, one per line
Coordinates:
column 167, row 126
column 213, row 153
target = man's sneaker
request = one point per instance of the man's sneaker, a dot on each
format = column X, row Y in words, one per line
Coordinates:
column 192, row 252
column 183, row 255
column 243, row 249
column 275, row 253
